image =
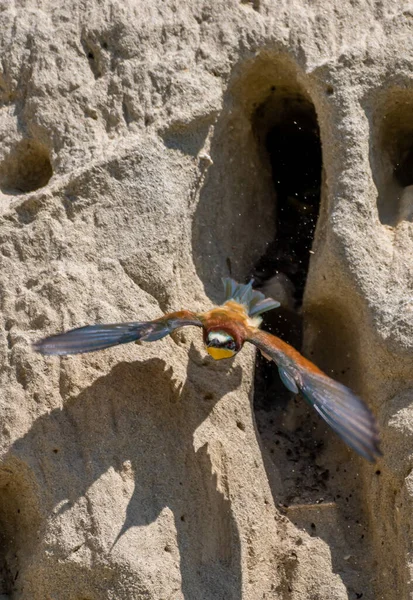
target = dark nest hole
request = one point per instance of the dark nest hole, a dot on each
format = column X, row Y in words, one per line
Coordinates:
column 391, row 157
column 293, row 149
column 26, row 168
column 287, row 129
column 288, row 133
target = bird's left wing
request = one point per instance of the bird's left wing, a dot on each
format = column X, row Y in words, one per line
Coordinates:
column 345, row 412
column 98, row 337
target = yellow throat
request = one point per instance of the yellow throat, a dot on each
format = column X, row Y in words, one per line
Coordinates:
column 220, row 353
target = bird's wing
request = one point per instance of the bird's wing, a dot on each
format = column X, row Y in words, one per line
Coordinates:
column 345, row 412
column 98, row 337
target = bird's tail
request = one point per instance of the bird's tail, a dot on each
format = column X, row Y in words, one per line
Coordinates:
column 255, row 302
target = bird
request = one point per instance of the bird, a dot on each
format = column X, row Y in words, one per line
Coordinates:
column 225, row 330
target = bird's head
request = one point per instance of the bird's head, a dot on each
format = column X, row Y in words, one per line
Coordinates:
column 221, row 344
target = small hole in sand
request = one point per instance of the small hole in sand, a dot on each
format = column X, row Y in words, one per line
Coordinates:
column 26, row 168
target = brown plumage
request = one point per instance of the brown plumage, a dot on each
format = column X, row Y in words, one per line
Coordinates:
column 225, row 330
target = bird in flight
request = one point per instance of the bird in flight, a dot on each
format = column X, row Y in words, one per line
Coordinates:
column 225, row 330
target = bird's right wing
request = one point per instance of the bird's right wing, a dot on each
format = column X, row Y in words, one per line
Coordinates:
column 345, row 412
column 99, row 337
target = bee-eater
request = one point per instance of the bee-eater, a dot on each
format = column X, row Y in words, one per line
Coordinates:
column 225, row 330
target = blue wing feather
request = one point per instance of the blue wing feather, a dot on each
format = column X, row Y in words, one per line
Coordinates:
column 288, row 380
column 344, row 412
column 98, row 337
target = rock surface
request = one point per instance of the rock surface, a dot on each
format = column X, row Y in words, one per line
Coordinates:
column 133, row 176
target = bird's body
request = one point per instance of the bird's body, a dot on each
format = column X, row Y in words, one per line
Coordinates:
column 225, row 330
column 229, row 320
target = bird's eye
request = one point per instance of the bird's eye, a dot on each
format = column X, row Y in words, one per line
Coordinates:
column 231, row 345
column 222, row 340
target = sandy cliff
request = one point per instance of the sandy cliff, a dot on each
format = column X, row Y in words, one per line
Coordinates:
column 134, row 174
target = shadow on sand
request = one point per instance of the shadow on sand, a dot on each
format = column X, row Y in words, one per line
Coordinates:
column 136, row 414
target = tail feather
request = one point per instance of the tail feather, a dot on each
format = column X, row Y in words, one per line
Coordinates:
column 229, row 287
column 255, row 302
column 263, row 306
